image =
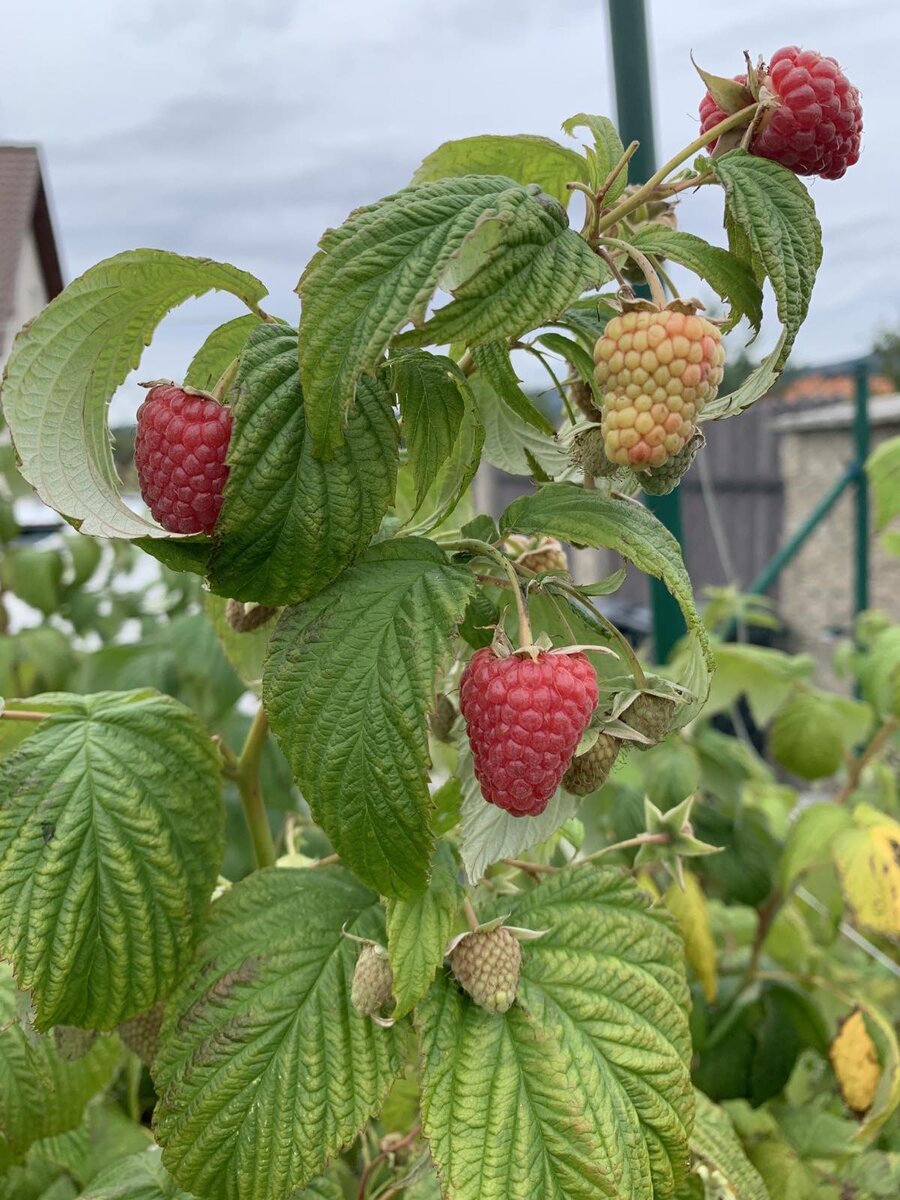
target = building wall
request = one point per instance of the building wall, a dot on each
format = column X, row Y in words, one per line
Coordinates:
column 816, row 593
column 31, row 295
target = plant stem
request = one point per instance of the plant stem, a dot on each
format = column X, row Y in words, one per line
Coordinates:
column 617, row 170
column 21, row 715
column 642, row 839
column 765, row 917
column 471, row 914
column 859, row 764
column 656, row 288
column 251, row 792
column 379, row 1158
column 529, row 868
column 488, row 551
column 226, row 379
column 328, row 861
column 643, row 193
column 636, row 669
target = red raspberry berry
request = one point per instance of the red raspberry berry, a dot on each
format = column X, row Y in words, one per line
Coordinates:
column 179, row 452
column 815, row 127
column 525, row 718
column 656, row 370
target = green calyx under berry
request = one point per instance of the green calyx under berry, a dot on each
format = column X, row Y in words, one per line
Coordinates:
column 486, row 964
column 650, row 714
column 675, row 839
column 371, row 992
column 659, row 481
column 590, row 770
column 588, row 452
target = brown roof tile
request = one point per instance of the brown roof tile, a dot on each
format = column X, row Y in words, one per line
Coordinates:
column 23, row 206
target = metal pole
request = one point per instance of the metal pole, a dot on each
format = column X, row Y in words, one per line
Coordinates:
column 861, row 440
column 634, row 107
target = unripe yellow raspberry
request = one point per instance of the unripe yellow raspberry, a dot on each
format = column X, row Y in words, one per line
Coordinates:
column 656, row 369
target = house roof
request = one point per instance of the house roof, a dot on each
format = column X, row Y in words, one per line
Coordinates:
column 24, row 208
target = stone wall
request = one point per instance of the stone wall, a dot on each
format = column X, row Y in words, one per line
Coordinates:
column 816, row 592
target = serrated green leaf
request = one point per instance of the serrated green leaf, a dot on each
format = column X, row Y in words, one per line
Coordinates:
column 520, row 268
column 138, row 1177
column 574, row 514
column 867, row 857
column 41, row 1094
column 68, row 362
column 372, row 275
column 490, row 833
column 86, row 555
column 806, row 736
column 430, row 391
column 508, row 440
column 450, row 487
column 573, row 353
column 776, row 213
column 112, row 807
column 883, row 469
column 765, row 676
column 219, row 351
column 524, row 157
column 349, row 679
column 265, row 1069
column 757, row 384
column 606, row 152
column 582, row 1089
column 291, row 523
column 717, row 1149
column 725, row 273
column 33, row 575
column 418, row 930
column 492, row 360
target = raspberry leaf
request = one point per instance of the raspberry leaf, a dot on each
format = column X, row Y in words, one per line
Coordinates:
column 729, row 276
column 509, row 440
column 219, row 350
column 143, row 1177
column 348, row 683
column 380, row 269
column 490, row 833
column 773, row 209
column 492, row 360
column 42, row 1094
column 716, row 1148
column 430, row 390
column 586, row 518
column 113, row 807
column 68, row 362
column 606, row 152
column 519, row 268
column 291, row 523
column 523, row 157
column 451, row 484
column 602, row 1000
column 254, row 1099
column 418, row 930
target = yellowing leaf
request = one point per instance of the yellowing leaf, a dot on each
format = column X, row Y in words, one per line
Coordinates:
column 855, row 1061
column 867, row 858
column 691, row 910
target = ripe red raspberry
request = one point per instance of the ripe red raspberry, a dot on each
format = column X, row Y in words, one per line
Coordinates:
column 815, row 126
column 656, row 368
column 179, row 451
column 524, row 718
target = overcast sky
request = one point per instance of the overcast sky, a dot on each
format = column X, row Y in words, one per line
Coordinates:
column 240, row 129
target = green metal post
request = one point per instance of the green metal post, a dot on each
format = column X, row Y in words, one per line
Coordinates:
column 861, row 439
column 634, row 107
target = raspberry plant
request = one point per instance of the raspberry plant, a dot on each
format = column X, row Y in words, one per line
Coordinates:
column 403, row 988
